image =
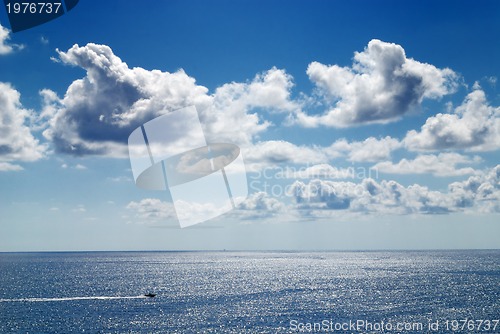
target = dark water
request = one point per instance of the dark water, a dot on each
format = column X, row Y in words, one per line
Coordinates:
column 260, row 292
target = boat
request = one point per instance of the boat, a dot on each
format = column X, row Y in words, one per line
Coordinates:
column 150, row 295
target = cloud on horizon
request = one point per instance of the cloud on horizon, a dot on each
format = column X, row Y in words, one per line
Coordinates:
column 479, row 193
column 327, row 199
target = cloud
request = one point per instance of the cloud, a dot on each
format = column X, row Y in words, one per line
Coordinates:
column 480, row 192
column 155, row 211
column 80, row 208
column 17, row 143
column 369, row 196
column 119, row 179
column 8, row 167
column 444, row 164
column 326, row 199
column 369, row 150
column 492, row 80
column 150, row 210
column 275, row 152
column 259, row 205
column 231, row 115
column 381, row 86
column 5, row 47
column 473, row 126
column 99, row 111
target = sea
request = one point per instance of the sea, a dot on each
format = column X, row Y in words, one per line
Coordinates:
column 251, row 292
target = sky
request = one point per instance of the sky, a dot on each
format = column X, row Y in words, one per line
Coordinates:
column 363, row 125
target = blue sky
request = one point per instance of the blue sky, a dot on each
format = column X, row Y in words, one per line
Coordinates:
column 363, row 125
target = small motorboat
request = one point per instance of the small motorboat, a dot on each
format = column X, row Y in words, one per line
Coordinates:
column 150, row 295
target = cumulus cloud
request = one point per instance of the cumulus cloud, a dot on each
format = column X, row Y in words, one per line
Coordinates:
column 386, row 197
column 155, row 211
column 368, row 150
column 474, row 126
column 443, row 164
column 99, row 111
column 230, row 115
column 259, row 205
column 479, row 193
column 381, row 86
column 80, row 208
column 9, row 167
column 5, row 46
column 319, row 198
column 152, row 210
column 274, row 152
column 17, row 143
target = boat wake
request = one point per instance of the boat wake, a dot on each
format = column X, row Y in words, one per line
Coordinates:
column 42, row 300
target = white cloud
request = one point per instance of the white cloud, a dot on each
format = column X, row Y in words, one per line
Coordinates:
column 4, row 36
column 274, row 152
column 474, row 126
column 152, row 210
column 80, row 208
column 229, row 117
column 381, row 86
column 119, row 179
column 492, row 80
column 5, row 47
column 17, row 143
column 8, row 167
column 326, row 199
column 259, row 205
column 444, row 164
column 369, row 150
column 77, row 166
column 155, row 211
column 480, row 192
column 386, row 197
column 99, row 111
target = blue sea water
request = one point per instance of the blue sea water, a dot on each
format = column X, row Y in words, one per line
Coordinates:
column 248, row 292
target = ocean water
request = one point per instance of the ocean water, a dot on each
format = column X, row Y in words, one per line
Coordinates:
column 250, row 292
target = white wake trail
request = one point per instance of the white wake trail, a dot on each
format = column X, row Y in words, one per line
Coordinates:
column 41, row 300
